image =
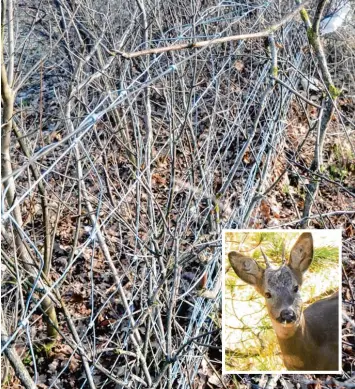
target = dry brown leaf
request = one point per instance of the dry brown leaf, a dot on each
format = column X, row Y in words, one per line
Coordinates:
column 265, row 210
column 239, row 65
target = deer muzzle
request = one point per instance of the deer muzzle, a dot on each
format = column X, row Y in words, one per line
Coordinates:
column 287, row 316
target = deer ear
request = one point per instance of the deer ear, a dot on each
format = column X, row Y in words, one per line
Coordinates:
column 246, row 268
column 302, row 253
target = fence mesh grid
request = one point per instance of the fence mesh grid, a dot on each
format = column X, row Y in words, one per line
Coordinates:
column 124, row 172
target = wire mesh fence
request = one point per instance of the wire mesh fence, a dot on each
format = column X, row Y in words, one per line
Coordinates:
column 119, row 175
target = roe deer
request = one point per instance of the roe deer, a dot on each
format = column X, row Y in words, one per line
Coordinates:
column 309, row 339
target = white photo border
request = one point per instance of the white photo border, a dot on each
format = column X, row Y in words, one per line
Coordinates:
column 335, row 231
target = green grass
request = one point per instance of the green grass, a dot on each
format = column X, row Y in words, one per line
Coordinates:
column 324, row 257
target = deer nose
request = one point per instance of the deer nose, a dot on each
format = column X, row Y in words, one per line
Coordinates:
column 287, row 315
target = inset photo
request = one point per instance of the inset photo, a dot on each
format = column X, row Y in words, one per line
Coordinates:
column 281, row 301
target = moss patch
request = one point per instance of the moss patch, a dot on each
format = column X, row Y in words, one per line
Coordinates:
column 334, row 91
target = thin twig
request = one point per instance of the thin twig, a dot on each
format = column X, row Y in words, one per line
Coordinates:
column 264, row 33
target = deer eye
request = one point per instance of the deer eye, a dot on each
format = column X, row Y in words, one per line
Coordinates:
column 295, row 288
column 268, row 295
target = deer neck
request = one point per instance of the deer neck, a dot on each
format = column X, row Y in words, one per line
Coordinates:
column 293, row 343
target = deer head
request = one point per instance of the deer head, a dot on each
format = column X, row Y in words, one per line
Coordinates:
column 280, row 286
